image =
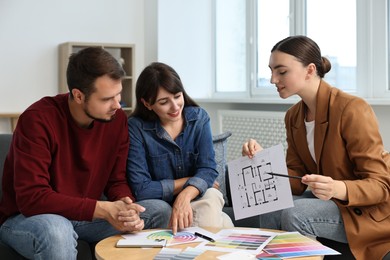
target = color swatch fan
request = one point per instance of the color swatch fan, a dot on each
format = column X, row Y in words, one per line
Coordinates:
column 179, row 238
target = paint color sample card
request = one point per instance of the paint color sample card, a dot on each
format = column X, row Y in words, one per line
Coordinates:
column 141, row 243
column 189, row 253
column 232, row 240
column 177, row 254
column 294, row 244
column 237, row 255
column 167, row 253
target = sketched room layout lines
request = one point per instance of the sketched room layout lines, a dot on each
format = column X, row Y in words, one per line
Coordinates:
column 253, row 189
column 255, row 186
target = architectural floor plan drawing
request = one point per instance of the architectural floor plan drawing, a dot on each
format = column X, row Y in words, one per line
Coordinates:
column 253, row 190
column 256, row 186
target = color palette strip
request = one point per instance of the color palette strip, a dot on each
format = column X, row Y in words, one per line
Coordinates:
column 294, row 244
column 240, row 241
column 251, row 241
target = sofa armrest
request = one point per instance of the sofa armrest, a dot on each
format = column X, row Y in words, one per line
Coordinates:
column 220, row 149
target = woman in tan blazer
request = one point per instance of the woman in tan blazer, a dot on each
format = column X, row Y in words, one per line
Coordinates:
column 335, row 145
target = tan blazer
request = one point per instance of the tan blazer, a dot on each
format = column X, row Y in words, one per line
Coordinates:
column 347, row 147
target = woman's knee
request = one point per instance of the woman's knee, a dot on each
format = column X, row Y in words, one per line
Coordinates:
column 214, row 197
column 303, row 214
column 290, row 220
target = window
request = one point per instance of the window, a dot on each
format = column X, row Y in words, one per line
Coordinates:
column 334, row 30
column 278, row 19
column 230, row 44
column 352, row 34
column 273, row 23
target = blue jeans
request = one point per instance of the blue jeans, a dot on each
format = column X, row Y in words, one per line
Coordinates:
column 50, row 236
column 157, row 213
column 310, row 216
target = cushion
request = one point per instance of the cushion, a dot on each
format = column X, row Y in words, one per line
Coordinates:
column 220, row 148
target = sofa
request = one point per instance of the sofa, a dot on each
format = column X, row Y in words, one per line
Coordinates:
column 220, row 147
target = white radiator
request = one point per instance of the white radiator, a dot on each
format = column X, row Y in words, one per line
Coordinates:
column 266, row 127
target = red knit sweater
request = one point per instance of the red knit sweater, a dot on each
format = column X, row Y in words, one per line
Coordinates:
column 54, row 166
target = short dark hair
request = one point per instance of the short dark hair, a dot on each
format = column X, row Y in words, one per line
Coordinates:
column 306, row 51
column 89, row 64
column 157, row 75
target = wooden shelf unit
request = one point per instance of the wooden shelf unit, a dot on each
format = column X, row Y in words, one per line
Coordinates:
column 124, row 53
column 13, row 119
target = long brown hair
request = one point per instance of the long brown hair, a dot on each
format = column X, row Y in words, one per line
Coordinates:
column 153, row 77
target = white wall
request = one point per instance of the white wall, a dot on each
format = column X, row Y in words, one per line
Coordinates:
column 30, row 32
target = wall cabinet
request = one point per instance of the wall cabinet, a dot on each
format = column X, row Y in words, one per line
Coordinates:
column 124, row 53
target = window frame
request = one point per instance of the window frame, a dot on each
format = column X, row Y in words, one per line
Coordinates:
column 372, row 70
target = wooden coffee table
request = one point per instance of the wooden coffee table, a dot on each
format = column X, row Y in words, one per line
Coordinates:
column 106, row 250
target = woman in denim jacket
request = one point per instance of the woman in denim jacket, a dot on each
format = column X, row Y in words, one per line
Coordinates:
column 171, row 157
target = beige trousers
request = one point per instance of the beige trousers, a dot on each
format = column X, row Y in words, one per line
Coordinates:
column 207, row 211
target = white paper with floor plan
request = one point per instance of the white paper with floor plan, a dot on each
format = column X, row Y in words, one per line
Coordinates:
column 255, row 192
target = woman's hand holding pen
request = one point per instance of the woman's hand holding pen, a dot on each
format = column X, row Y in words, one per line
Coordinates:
column 324, row 187
column 250, row 148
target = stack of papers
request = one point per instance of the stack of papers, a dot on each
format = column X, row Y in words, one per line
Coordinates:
column 250, row 243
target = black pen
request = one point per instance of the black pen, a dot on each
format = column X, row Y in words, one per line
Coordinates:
column 204, row 237
column 284, row 175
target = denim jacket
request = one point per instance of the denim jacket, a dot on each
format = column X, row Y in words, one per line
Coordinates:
column 155, row 160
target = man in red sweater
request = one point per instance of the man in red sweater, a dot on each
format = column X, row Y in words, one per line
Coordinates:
column 66, row 152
